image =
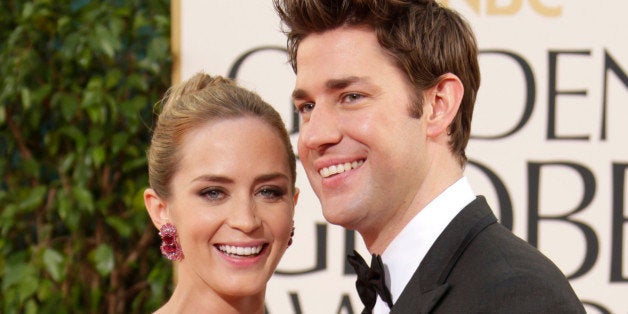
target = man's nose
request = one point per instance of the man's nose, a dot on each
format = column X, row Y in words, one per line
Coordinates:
column 322, row 129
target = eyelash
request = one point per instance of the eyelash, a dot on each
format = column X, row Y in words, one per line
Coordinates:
column 355, row 96
column 207, row 193
column 307, row 107
column 276, row 192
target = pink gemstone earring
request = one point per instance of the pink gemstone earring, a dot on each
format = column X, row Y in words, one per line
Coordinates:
column 170, row 247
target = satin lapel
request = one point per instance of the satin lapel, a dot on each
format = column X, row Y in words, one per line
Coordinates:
column 429, row 284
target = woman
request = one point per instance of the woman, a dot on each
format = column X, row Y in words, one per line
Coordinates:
column 222, row 194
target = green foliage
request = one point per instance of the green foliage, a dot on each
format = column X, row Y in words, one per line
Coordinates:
column 78, row 81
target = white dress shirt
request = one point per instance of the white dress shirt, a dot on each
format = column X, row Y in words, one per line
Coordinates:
column 406, row 251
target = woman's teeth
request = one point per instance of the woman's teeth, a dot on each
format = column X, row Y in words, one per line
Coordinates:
column 240, row 250
column 339, row 168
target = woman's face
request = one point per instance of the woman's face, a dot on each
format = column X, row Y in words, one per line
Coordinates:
column 233, row 206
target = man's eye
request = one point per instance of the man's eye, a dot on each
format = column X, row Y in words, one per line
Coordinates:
column 351, row 97
column 305, row 107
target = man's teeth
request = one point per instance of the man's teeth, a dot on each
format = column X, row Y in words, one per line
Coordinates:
column 241, row 250
column 339, row 168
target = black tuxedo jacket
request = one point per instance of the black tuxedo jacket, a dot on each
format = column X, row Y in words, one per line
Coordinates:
column 478, row 266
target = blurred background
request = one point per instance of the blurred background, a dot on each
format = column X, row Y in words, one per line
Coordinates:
column 78, row 82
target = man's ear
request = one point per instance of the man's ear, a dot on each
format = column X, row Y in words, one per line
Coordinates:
column 156, row 207
column 444, row 99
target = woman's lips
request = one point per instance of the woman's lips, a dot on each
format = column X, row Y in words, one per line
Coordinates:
column 241, row 251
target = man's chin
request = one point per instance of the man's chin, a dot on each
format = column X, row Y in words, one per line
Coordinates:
column 339, row 217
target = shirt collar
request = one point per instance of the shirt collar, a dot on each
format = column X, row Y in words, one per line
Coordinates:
column 404, row 254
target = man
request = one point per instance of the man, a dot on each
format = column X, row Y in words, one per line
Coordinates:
column 386, row 90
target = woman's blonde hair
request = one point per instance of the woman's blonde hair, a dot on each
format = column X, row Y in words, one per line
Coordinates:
column 194, row 102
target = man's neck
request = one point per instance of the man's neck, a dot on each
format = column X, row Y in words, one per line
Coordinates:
column 377, row 240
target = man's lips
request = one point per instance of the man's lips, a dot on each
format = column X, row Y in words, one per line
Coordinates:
column 340, row 168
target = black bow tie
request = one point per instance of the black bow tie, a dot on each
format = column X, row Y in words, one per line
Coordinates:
column 371, row 281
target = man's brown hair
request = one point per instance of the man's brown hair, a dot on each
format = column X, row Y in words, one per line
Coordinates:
column 425, row 40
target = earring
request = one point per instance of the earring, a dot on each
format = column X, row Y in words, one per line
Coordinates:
column 170, row 247
column 291, row 235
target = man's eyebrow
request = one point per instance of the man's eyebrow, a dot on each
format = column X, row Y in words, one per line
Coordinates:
column 299, row 94
column 332, row 84
column 335, row 84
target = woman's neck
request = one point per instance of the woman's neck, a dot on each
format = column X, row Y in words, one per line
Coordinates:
column 187, row 300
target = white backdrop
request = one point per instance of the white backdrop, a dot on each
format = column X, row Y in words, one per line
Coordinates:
column 550, row 146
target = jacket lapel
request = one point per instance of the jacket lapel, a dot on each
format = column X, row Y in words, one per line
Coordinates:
column 429, row 283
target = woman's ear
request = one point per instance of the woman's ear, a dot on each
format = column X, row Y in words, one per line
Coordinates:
column 296, row 196
column 444, row 99
column 156, row 207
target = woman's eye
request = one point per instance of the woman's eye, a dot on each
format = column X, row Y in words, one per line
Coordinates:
column 271, row 193
column 213, row 194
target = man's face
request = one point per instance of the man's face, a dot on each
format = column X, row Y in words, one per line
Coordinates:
column 364, row 155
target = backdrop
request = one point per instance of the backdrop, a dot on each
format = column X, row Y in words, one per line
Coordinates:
column 549, row 147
